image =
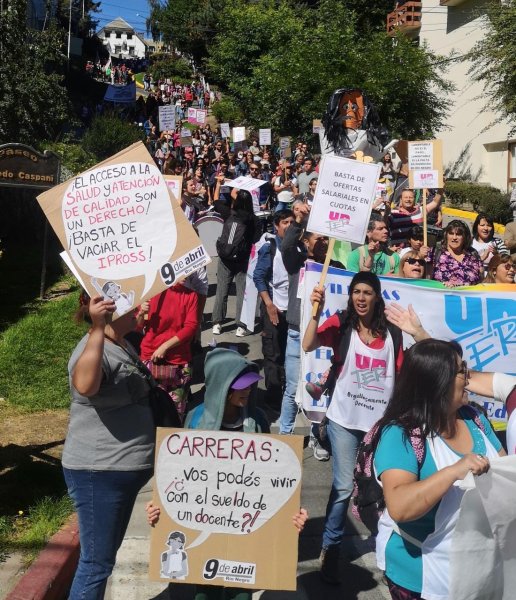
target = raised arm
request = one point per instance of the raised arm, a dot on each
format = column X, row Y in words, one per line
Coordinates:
column 311, row 339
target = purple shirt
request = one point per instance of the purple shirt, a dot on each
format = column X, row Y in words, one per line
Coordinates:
column 468, row 272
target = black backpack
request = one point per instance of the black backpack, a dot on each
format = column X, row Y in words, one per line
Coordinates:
column 233, row 245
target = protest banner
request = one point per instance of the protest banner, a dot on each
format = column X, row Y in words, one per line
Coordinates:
column 265, row 137
column 425, row 163
column 167, row 117
column 248, row 313
column 482, row 319
column 285, row 149
column 120, row 227
column 225, row 130
column 238, row 134
column 230, row 498
column 121, row 94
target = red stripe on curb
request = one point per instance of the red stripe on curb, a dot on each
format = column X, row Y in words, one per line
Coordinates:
column 50, row 576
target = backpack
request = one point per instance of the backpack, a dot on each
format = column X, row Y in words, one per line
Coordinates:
column 367, row 501
column 233, row 245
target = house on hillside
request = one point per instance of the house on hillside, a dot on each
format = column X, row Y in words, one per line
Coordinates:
column 477, row 143
column 122, row 41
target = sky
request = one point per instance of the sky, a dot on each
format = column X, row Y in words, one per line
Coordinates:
column 133, row 11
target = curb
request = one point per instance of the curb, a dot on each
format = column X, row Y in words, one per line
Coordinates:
column 50, row 576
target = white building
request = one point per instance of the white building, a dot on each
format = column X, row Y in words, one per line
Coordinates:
column 477, row 135
column 122, row 41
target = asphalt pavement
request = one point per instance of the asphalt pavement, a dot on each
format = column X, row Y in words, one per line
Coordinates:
column 361, row 580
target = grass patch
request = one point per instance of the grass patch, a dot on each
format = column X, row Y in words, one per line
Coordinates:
column 139, row 77
column 34, row 354
column 28, row 532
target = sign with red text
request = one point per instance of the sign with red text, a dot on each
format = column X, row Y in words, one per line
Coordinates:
column 126, row 236
column 228, row 499
column 425, row 163
column 346, row 190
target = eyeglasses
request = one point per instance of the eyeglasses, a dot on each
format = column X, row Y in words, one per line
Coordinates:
column 255, row 169
column 416, row 261
column 463, row 370
column 509, row 265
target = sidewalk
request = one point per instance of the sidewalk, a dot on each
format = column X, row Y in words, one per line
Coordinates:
column 361, row 579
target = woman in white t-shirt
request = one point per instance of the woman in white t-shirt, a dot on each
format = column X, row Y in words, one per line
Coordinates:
column 484, row 241
column 285, row 186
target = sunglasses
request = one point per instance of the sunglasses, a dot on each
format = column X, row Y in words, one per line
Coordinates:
column 254, row 169
column 416, row 261
column 464, row 370
column 509, row 265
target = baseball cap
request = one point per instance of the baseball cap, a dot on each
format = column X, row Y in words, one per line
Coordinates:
column 245, row 380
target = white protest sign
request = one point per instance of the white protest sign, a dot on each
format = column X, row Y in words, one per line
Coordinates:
column 426, row 179
column 185, row 132
column 201, row 116
column 167, row 117
column 420, row 156
column 238, row 134
column 110, row 214
column 225, row 131
column 245, row 183
column 192, row 116
column 265, row 137
column 346, row 190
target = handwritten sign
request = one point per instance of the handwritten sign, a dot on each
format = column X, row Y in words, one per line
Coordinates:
column 229, row 497
column 239, row 134
column 265, row 137
column 425, row 159
column 167, row 117
column 316, row 125
column 121, row 229
column 225, row 130
column 343, row 198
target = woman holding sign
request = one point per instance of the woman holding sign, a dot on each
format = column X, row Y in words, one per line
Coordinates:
column 368, row 353
column 108, row 452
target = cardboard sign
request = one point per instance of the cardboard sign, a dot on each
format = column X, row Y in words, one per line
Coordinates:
column 265, row 137
column 427, row 157
column 238, row 134
column 225, row 131
column 316, row 125
column 125, row 235
column 229, row 498
column 346, row 190
column 175, row 185
column 167, row 117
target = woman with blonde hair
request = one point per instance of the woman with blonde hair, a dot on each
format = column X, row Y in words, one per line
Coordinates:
column 412, row 266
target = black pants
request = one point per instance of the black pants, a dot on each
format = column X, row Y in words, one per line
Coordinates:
column 274, row 343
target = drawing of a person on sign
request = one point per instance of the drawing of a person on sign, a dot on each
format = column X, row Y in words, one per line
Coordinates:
column 174, row 562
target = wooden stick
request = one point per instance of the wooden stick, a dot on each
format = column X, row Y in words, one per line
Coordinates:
column 425, row 219
column 322, row 281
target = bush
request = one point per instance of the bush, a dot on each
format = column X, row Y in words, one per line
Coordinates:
column 176, row 69
column 74, row 158
column 483, row 198
column 107, row 135
column 226, row 110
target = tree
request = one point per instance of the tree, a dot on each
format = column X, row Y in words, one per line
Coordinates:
column 493, row 59
column 188, row 25
column 280, row 63
column 33, row 101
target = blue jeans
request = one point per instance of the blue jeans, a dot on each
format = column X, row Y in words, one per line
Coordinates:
column 104, row 502
column 344, row 445
column 289, row 408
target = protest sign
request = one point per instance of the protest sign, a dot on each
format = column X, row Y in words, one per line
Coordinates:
column 167, row 117
column 425, row 158
column 225, row 131
column 248, row 313
column 238, row 134
column 481, row 318
column 174, row 184
column 316, row 125
column 250, row 184
column 126, row 237
column 201, row 116
column 285, row 149
column 230, row 497
column 343, row 198
column 265, row 137
column 121, row 94
column 186, row 137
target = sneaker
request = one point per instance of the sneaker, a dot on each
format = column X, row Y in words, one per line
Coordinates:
column 217, row 329
column 330, row 568
column 242, row 332
column 320, row 453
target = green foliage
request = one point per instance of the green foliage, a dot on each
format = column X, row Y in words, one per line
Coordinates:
column 493, row 60
column 107, row 135
column 227, row 110
column 281, row 63
column 173, row 68
column 33, row 101
column 74, row 158
column 483, row 198
column 48, row 337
